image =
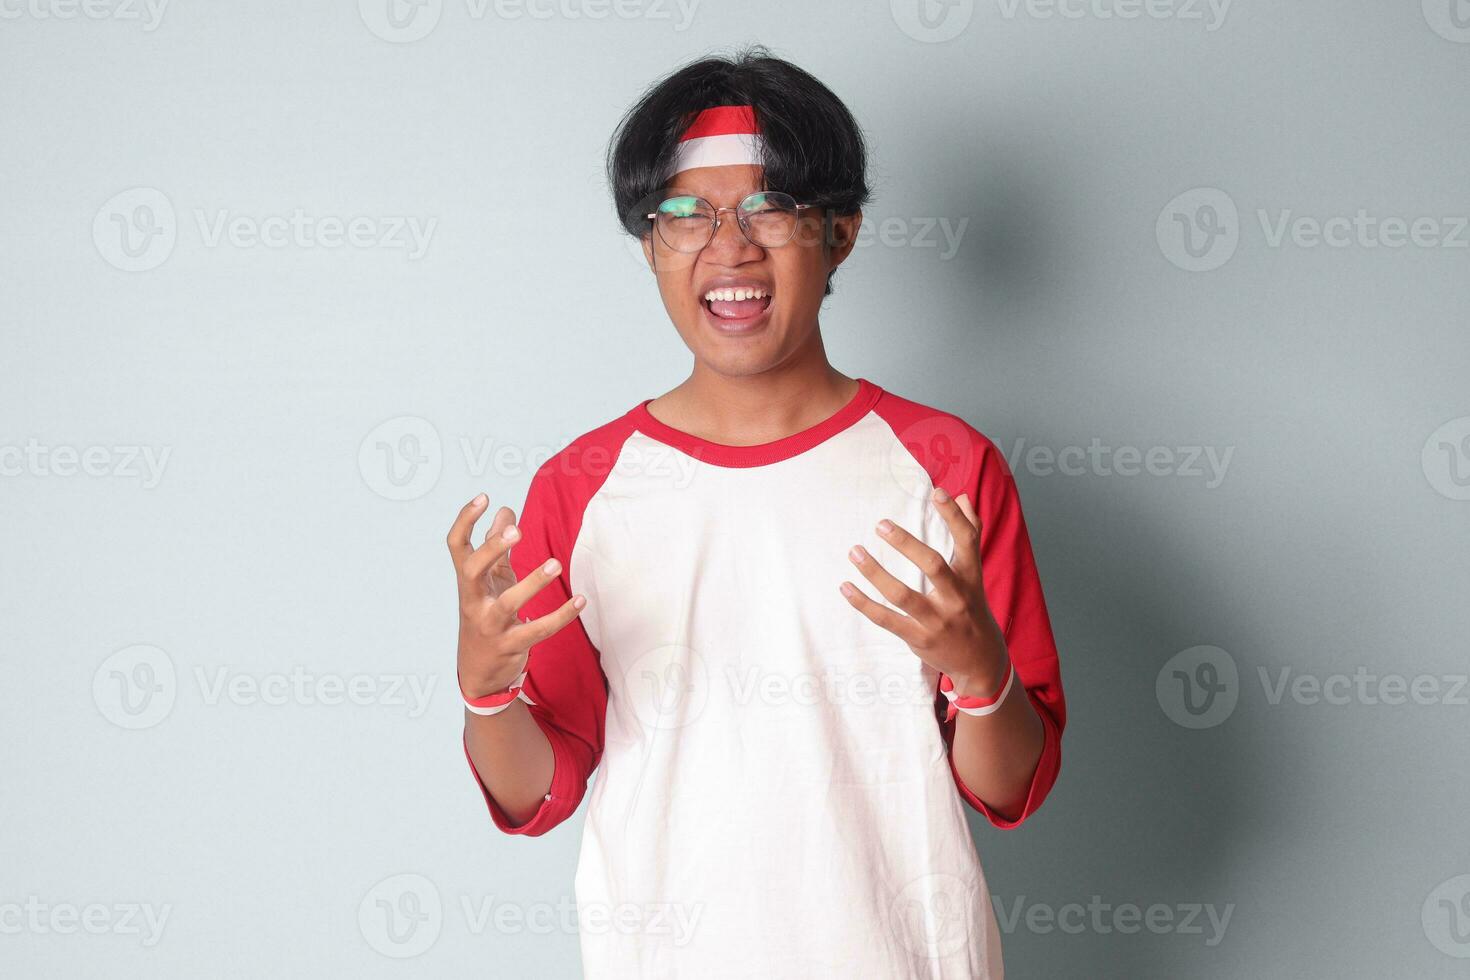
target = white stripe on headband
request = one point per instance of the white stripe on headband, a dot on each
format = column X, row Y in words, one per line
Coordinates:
column 719, row 137
column 719, row 151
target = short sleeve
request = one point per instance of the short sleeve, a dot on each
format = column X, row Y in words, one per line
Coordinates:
column 1013, row 589
column 564, row 676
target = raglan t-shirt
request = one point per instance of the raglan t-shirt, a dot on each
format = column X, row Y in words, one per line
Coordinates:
column 774, row 794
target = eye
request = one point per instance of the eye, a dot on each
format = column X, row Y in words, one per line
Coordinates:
column 768, row 203
column 680, row 207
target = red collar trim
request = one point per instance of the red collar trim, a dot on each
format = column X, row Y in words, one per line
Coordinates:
column 720, row 454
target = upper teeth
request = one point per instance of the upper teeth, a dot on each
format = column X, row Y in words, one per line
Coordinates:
column 734, row 295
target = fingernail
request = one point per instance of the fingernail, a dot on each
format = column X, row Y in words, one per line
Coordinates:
column 511, row 533
column 579, row 601
column 479, row 500
column 857, row 553
column 885, row 526
column 551, row 567
column 940, row 496
column 846, row 588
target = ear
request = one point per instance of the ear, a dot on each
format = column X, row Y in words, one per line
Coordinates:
column 647, row 242
column 843, row 236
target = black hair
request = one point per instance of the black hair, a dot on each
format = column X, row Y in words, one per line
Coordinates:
column 813, row 147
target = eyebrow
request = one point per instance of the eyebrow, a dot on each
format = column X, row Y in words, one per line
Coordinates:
column 683, row 192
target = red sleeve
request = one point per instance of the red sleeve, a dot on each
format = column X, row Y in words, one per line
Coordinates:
column 564, row 672
column 962, row 460
column 1013, row 589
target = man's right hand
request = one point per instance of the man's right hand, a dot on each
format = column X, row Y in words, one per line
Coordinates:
column 494, row 643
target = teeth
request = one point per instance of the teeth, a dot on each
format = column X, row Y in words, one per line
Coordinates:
column 734, row 295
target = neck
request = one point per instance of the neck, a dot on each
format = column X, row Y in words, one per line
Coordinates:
column 750, row 409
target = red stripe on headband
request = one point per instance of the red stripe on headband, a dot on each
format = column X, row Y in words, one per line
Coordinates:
column 722, row 120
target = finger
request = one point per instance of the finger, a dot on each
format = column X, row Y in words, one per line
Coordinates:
column 502, row 534
column 504, row 517
column 974, row 517
column 534, row 631
column 899, row 625
column 464, row 524
column 929, row 561
column 891, row 588
column 962, row 527
column 502, row 576
column 513, row 598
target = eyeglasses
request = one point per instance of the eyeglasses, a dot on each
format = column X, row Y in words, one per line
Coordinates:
column 688, row 223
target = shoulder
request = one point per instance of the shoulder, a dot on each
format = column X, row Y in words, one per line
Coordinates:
column 572, row 475
column 956, row 454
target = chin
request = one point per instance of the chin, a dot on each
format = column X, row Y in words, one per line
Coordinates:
column 740, row 363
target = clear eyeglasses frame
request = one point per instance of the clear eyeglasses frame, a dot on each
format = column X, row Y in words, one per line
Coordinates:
column 687, row 222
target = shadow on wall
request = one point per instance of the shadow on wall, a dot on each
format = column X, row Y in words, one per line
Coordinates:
column 1145, row 811
column 1015, row 249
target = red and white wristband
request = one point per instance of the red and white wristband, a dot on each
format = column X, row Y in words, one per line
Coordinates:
column 493, row 704
column 976, row 707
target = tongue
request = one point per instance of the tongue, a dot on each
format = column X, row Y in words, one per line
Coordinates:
column 738, row 308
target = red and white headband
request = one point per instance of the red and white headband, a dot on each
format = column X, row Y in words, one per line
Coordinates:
column 720, row 136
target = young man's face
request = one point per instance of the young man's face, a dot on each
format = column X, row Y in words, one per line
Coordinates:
column 753, row 336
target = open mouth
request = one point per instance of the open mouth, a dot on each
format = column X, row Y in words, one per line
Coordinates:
column 736, row 309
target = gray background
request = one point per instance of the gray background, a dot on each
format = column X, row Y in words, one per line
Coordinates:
column 326, row 410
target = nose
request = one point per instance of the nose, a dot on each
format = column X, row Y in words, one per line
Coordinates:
column 729, row 241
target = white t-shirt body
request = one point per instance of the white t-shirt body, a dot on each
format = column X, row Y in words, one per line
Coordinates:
column 776, row 795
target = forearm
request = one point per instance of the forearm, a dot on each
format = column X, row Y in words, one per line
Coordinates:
column 513, row 757
column 996, row 754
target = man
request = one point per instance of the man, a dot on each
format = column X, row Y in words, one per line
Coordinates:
column 783, row 753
